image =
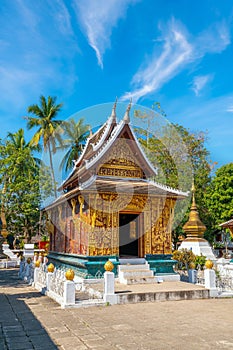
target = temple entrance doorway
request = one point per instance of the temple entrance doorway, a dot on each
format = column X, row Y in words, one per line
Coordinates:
column 128, row 235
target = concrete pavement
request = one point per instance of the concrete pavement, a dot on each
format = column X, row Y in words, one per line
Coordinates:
column 29, row 320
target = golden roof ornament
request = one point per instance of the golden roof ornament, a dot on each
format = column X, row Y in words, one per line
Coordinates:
column 194, row 228
column 126, row 118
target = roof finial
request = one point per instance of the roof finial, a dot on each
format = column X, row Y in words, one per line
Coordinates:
column 113, row 115
column 193, row 195
column 126, row 116
column 193, row 186
column 90, row 130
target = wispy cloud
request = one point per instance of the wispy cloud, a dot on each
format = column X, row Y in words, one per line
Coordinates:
column 98, row 18
column 40, row 55
column 61, row 16
column 178, row 51
column 230, row 109
column 199, row 82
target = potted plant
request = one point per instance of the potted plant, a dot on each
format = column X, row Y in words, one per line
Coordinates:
column 44, row 243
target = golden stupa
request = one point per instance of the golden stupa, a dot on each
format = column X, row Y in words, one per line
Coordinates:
column 194, row 227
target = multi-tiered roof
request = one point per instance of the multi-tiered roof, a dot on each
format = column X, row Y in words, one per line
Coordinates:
column 97, row 152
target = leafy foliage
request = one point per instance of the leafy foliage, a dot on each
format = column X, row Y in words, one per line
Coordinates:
column 179, row 156
column 75, row 135
column 187, row 259
column 184, row 258
column 19, row 178
column 219, row 195
column 200, row 260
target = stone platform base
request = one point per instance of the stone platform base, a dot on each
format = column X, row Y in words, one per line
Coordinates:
column 162, row 296
column 199, row 248
column 167, row 278
column 164, row 291
column 88, row 267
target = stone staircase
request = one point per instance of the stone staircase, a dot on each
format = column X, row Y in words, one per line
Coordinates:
column 135, row 271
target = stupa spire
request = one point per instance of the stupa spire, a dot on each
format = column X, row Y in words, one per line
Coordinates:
column 194, row 227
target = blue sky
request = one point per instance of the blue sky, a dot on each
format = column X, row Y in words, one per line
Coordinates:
column 87, row 52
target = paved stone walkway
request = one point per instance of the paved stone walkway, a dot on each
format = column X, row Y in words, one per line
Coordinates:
column 29, row 320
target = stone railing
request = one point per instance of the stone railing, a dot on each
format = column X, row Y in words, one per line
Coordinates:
column 225, row 275
column 57, row 284
column 219, row 278
column 26, row 270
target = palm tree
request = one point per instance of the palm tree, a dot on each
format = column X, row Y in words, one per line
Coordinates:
column 45, row 118
column 18, row 141
column 76, row 133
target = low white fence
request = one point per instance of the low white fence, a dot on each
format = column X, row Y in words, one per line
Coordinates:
column 54, row 284
column 220, row 279
column 225, row 275
column 60, row 286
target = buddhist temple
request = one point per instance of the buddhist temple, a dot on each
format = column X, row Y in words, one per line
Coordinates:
column 228, row 224
column 111, row 206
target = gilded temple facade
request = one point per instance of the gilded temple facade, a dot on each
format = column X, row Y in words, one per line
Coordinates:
column 110, row 205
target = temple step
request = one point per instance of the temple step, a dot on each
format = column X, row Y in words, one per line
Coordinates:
column 144, row 267
column 138, row 280
column 135, row 274
column 132, row 261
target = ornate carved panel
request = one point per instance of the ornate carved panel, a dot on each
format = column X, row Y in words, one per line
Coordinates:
column 161, row 226
column 121, row 162
column 103, row 236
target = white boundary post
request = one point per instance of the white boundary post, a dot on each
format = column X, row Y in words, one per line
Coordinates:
column 109, row 288
column 210, row 282
column 69, row 293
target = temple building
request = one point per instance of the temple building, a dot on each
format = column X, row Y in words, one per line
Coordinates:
column 111, row 206
column 228, row 224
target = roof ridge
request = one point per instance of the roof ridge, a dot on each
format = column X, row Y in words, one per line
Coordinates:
column 117, row 129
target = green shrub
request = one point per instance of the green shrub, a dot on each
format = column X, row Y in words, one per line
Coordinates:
column 184, row 258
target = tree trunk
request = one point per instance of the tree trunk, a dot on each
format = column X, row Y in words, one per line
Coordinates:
column 52, row 170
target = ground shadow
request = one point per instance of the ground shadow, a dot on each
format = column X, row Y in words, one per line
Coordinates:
column 19, row 328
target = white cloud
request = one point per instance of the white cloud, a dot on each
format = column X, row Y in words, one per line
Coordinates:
column 98, row 18
column 230, row 109
column 213, row 40
column 199, row 82
column 178, row 52
column 62, row 16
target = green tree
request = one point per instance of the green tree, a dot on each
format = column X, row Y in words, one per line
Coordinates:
column 19, row 173
column 219, row 195
column 22, row 178
column 75, row 135
column 179, row 155
column 44, row 117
